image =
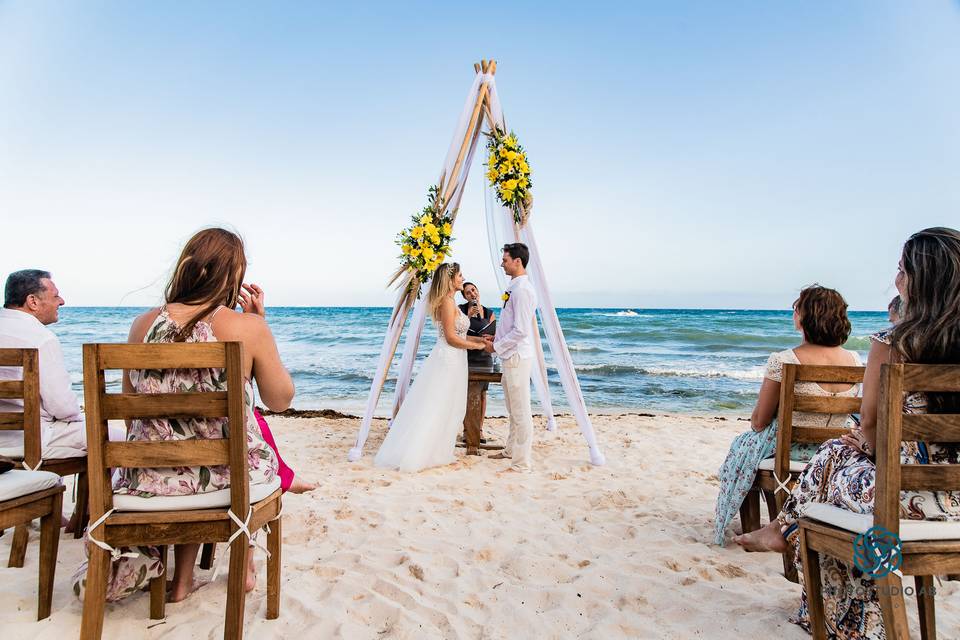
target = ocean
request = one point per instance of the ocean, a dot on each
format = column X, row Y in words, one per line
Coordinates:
column 669, row 360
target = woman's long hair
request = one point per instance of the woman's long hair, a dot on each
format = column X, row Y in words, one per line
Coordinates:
column 929, row 327
column 441, row 286
column 209, row 273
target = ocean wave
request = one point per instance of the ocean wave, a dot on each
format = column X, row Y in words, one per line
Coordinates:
column 667, row 372
column 579, row 348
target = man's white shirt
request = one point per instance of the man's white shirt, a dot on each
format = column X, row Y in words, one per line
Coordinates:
column 58, row 402
column 515, row 327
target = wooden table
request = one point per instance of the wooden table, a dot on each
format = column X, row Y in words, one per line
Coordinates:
column 473, row 420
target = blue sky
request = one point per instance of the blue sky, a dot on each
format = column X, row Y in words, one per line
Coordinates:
column 693, row 154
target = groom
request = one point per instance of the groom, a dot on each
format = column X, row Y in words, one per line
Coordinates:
column 514, row 344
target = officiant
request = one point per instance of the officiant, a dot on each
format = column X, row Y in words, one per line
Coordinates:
column 483, row 322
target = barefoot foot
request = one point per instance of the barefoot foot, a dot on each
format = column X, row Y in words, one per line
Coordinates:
column 301, row 486
column 768, row 538
column 178, row 592
column 251, row 572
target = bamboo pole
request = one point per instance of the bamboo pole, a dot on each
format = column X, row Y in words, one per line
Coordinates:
column 476, row 67
column 455, row 172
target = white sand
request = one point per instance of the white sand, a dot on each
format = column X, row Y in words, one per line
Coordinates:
column 463, row 552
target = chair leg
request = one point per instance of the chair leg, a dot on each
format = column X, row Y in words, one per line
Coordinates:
column 274, row 543
column 207, row 554
column 772, row 510
column 95, row 597
column 158, row 589
column 813, row 586
column 750, row 511
column 925, row 597
column 236, row 589
column 81, row 510
column 18, row 546
column 890, row 589
column 49, row 546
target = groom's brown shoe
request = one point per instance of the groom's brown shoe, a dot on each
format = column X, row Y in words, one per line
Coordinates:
column 499, row 456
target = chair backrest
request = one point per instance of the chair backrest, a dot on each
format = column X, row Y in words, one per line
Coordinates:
column 790, row 402
column 894, row 427
column 27, row 388
column 101, row 406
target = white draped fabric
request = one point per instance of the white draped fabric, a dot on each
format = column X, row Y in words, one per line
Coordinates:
column 500, row 227
column 506, row 228
column 396, row 326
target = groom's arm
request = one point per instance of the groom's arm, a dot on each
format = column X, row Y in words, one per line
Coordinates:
column 524, row 308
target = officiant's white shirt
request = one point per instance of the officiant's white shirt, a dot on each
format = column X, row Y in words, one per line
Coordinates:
column 515, row 327
column 58, row 402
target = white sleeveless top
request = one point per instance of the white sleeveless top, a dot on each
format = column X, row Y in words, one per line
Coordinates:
column 774, row 372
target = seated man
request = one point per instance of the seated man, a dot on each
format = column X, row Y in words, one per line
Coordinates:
column 32, row 301
column 483, row 321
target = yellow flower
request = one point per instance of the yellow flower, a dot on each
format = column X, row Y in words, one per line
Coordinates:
column 415, row 251
column 435, row 239
column 511, row 155
column 492, row 160
column 505, row 297
column 406, row 249
column 510, row 141
column 424, row 219
column 427, row 253
column 447, row 229
column 523, row 183
column 510, row 185
column 416, row 232
column 507, row 195
column 492, row 175
column 524, row 167
column 503, row 153
column 430, row 229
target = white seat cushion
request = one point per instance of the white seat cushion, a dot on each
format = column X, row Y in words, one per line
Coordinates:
column 15, row 483
column 795, row 465
column 208, row 500
column 910, row 530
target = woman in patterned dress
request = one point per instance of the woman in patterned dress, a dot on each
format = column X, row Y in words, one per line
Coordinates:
column 820, row 315
column 206, row 286
column 842, row 473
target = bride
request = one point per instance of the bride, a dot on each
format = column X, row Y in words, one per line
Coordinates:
column 424, row 433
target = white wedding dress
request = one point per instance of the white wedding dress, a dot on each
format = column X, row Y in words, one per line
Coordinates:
column 424, row 433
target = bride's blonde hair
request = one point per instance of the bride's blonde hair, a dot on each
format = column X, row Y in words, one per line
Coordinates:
column 441, row 286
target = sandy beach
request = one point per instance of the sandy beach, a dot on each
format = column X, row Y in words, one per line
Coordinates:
column 571, row 550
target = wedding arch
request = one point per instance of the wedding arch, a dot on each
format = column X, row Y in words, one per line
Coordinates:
column 507, row 221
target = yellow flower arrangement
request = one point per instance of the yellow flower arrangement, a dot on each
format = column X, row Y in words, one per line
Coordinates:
column 509, row 173
column 426, row 243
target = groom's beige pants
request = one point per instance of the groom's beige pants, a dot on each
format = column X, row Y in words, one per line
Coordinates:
column 516, row 394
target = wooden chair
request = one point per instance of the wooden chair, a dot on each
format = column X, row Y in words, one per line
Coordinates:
column 28, row 390
column 25, row 496
column 162, row 528
column 928, row 548
column 781, row 469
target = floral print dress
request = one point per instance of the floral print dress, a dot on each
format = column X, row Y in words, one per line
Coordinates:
column 844, row 477
column 749, row 449
column 129, row 575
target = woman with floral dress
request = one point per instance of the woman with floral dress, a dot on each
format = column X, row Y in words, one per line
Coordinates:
column 206, row 286
column 820, row 315
column 843, row 474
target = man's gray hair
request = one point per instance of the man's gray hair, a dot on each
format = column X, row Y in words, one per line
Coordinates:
column 21, row 284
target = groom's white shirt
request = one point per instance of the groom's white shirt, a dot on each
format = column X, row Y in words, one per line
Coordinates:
column 515, row 328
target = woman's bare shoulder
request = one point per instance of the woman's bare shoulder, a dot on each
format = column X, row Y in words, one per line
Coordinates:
column 235, row 325
column 141, row 324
